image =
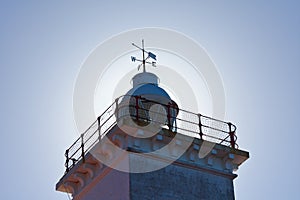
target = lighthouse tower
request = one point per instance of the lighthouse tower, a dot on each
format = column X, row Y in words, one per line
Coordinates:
column 145, row 147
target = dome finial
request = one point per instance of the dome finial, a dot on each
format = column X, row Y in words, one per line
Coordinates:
column 144, row 61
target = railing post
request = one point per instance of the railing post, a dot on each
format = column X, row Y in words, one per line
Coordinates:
column 174, row 117
column 200, row 126
column 67, row 160
column 231, row 134
column 169, row 117
column 117, row 110
column 137, row 107
column 82, row 149
column 99, row 127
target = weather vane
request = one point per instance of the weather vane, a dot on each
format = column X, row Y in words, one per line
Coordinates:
column 144, row 61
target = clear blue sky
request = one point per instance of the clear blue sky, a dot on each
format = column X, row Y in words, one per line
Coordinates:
column 255, row 44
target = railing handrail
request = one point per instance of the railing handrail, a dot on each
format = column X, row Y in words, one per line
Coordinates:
column 82, row 143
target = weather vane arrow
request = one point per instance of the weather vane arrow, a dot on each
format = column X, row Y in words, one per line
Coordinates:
column 144, row 60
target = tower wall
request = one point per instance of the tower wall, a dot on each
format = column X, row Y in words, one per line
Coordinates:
column 111, row 184
column 180, row 181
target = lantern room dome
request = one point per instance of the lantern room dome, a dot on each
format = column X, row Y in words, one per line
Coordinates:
column 145, row 85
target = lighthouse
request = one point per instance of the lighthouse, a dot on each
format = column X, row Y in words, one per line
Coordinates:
column 144, row 146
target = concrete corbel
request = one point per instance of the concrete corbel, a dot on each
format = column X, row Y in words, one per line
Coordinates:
column 81, row 177
column 228, row 162
column 211, row 157
column 71, row 187
column 90, row 168
column 156, row 142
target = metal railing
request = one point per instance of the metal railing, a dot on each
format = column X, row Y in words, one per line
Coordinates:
column 138, row 109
